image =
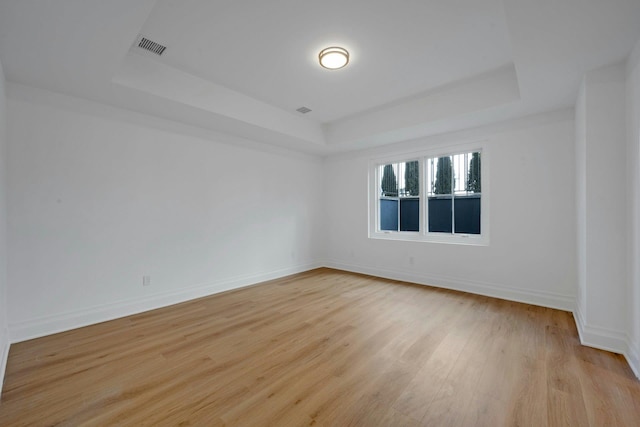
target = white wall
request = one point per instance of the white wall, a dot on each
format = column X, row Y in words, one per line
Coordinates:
column 532, row 252
column 98, row 198
column 633, row 175
column 4, row 333
column 602, row 213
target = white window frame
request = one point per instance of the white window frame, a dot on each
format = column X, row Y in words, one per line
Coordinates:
column 424, row 235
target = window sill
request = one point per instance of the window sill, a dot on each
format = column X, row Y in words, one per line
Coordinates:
column 462, row 239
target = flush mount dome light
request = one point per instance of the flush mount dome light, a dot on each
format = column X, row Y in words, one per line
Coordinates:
column 333, row 58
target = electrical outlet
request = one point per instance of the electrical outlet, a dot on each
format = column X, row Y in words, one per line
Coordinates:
column 146, row 280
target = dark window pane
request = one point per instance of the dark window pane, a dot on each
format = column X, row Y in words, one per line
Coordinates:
column 410, row 214
column 440, row 215
column 389, row 215
column 467, row 213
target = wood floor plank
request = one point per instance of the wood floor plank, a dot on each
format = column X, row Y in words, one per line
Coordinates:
column 323, row 348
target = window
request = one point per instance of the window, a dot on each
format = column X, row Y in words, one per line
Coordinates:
column 399, row 201
column 430, row 197
column 454, row 199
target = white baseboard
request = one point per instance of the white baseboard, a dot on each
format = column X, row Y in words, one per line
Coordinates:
column 633, row 357
column 4, row 356
column 608, row 340
column 597, row 337
column 22, row 331
column 541, row 298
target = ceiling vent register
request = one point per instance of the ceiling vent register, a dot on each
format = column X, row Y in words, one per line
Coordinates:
column 303, row 110
column 151, row 46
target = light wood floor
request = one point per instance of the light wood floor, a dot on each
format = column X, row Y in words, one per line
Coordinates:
column 324, row 348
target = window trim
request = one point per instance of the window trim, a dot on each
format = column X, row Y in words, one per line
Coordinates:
column 424, row 235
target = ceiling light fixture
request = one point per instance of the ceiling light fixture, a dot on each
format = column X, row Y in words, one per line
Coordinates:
column 333, row 58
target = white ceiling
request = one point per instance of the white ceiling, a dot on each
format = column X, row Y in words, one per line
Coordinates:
column 244, row 66
column 268, row 49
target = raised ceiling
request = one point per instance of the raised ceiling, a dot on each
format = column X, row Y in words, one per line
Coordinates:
column 244, row 66
column 268, row 49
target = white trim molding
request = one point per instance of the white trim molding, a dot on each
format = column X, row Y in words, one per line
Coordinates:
column 608, row 340
column 4, row 356
column 540, row 298
column 633, row 357
column 22, row 331
column 597, row 337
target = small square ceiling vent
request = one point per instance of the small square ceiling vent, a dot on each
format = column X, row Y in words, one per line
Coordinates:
column 303, row 110
column 150, row 45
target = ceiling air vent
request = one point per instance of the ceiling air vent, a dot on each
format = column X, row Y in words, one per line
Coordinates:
column 150, row 45
column 303, row 110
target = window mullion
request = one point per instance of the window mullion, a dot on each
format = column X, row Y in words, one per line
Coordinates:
column 453, row 204
column 398, row 194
